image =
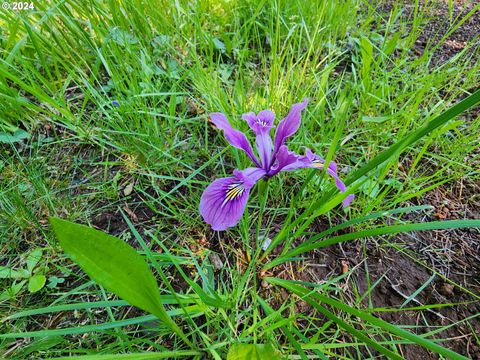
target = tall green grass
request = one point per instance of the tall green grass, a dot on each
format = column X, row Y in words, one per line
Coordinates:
column 169, row 63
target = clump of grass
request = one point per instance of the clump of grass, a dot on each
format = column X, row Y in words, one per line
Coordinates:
column 62, row 66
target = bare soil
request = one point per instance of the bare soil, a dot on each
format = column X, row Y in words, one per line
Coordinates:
column 440, row 19
column 445, row 263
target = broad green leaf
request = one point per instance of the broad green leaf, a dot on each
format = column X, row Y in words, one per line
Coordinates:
column 252, row 352
column 36, row 283
column 18, row 135
column 115, row 265
column 7, row 273
column 33, row 259
column 53, row 281
column 12, row 291
column 219, row 45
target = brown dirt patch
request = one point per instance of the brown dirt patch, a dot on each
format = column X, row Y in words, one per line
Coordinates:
column 440, row 21
column 452, row 254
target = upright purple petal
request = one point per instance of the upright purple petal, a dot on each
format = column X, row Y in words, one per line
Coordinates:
column 261, row 125
column 264, row 145
column 235, row 137
column 223, row 202
column 290, row 124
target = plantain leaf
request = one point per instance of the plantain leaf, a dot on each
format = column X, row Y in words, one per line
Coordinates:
column 33, row 259
column 8, row 273
column 17, row 136
column 12, row 291
column 252, row 352
column 115, row 265
column 36, row 283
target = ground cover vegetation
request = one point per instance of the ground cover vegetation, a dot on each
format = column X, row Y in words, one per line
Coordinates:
column 104, row 121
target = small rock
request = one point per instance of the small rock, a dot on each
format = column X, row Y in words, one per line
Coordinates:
column 216, row 261
column 266, row 242
column 128, row 189
column 446, row 289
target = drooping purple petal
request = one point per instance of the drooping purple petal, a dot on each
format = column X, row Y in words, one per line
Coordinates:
column 318, row 163
column 290, row 124
column 332, row 171
column 261, row 125
column 287, row 161
column 223, row 202
column 235, row 137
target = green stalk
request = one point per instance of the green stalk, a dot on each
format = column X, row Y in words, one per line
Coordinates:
column 263, row 189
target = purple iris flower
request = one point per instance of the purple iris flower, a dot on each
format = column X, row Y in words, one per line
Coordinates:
column 223, row 202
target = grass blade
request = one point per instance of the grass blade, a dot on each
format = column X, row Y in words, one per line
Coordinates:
column 314, row 299
column 393, row 229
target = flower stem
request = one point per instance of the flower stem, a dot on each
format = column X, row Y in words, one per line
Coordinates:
column 263, row 187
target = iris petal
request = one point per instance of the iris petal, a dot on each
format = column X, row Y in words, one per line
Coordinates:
column 261, row 125
column 264, row 145
column 235, row 137
column 332, row 171
column 223, row 202
column 318, row 163
column 287, row 160
column 290, row 124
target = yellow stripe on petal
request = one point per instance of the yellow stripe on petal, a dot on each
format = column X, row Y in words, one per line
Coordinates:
column 234, row 191
column 318, row 163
